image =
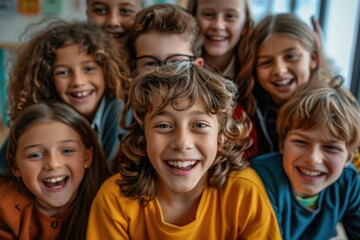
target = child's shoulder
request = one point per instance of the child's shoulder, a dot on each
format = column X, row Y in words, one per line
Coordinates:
column 110, row 192
column 13, row 196
column 244, row 179
column 110, row 185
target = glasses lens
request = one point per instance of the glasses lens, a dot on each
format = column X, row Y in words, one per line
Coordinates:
column 178, row 59
column 146, row 63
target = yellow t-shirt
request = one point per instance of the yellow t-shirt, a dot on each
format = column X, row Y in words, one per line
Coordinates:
column 356, row 159
column 240, row 210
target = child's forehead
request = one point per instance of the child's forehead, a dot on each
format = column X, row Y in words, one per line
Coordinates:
column 116, row 2
column 179, row 104
column 319, row 132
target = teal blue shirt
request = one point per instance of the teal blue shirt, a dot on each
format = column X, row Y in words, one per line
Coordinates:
column 106, row 124
column 340, row 202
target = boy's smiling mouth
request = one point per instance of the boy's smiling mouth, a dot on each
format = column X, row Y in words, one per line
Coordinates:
column 182, row 165
column 310, row 173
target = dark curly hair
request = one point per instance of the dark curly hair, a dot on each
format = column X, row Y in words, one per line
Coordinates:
column 31, row 77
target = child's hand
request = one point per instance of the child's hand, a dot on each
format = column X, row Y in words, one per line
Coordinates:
column 318, row 33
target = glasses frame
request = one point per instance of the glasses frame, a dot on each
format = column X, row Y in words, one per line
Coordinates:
column 164, row 62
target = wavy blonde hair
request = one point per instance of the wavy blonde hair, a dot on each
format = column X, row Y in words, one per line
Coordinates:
column 328, row 106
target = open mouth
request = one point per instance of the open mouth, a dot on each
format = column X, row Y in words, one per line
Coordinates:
column 283, row 83
column 56, row 182
column 81, row 94
column 216, row 38
column 183, row 165
column 117, row 35
column 310, row 173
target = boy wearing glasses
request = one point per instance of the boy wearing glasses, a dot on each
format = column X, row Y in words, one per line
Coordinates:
column 164, row 34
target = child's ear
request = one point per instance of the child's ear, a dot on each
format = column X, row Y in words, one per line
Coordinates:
column 314, row 61
column 349, row 160
column 281, row 149
column 15, row 171
column 89, row 153
column 199, row 61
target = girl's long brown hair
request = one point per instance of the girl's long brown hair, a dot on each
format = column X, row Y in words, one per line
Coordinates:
column 75, row 225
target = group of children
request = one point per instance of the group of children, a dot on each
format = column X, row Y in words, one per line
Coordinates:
column 168, row 110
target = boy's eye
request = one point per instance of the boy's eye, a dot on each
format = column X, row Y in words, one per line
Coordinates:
column 151, row 64
column 100, row 10
column 332, row 148
column 299, row 142
column 201, row 125
column 126, row 11
column 89, row 69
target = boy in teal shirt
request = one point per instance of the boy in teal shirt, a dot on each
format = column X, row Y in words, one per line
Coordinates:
column 311, row 183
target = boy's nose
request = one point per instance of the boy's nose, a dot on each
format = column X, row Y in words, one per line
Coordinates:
column 182, row 140
column 314, row 156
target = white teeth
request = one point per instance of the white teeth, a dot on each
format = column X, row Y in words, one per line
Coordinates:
column 54, row 180
column 182, row 164
column 283, row 82
column 310, row 173
column 81, row 94
column 216, row 38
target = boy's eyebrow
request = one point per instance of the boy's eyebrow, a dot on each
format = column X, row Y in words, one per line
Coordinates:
column 167, row 113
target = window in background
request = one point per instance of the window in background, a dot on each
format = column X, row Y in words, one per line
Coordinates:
column 260, row 8
column 307, row 8
column 281, row 6
column 340, row 28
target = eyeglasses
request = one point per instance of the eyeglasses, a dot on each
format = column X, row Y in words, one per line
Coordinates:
column 148, row 62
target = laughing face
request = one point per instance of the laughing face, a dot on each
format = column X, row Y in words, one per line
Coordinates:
column 283, row 64
column 51, row 165
column 311, row 161
column 221, row 24
column 181, row 146
column 79, row 80
column 115, row 16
